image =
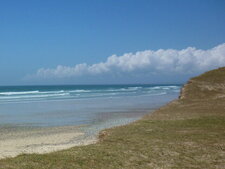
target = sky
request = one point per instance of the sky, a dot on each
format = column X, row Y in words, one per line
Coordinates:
column 109, row 41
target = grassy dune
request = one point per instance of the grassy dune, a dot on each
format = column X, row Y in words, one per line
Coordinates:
column 187, row 133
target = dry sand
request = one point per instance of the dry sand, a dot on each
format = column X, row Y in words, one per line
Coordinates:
column 18, row 140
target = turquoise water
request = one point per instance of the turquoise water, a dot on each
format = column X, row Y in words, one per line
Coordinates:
column 80, row 104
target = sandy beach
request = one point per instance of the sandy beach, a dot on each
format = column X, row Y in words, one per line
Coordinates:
column 53, row 124
column 28, row 139
column 15, row 141
column 186, row 133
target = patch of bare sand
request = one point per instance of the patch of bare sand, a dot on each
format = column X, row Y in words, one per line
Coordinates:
column 39, row 140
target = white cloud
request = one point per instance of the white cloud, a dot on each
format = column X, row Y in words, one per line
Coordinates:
column 169, row 61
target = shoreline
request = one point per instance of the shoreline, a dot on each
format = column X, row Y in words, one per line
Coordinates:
column 188, row 132
column 15, row 141
column 40, row 140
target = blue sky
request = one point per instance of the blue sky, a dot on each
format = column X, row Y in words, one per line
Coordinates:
column 45, row 41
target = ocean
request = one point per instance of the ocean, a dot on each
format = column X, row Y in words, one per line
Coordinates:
column 66, row 105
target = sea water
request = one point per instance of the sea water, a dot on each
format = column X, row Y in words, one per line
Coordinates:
column 65, row 105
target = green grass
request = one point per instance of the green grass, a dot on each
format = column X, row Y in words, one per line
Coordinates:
column 213, row 76
column 206, row 86
column 144, row 144
column 187, row 133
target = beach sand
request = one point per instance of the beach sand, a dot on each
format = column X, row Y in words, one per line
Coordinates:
column 16, row 140
column 186, row 133
column 19, row 140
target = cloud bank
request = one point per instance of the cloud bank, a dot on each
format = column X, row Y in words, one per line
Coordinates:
column 169, row 61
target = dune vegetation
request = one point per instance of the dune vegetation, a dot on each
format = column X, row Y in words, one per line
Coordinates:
column 187, row 133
